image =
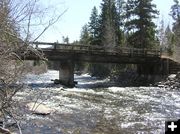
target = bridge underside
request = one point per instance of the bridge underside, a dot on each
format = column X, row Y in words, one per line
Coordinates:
column 146, row 64
column 100, row 57
column 66, row 71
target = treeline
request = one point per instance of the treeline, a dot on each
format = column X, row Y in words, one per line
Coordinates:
column 129, row 24
column 122, row 23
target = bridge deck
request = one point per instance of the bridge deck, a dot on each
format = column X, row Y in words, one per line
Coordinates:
column 56, row 51
column 99, row 49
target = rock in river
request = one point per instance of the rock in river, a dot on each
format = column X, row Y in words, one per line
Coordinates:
column 39, row 109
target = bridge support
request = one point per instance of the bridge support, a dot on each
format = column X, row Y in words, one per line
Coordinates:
column 66, row 73
column 159, row 68
column 148, row 69
column 165, row 66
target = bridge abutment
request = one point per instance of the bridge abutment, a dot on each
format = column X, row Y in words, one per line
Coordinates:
column 159, row 68
column 66, row 73
column 149, row 69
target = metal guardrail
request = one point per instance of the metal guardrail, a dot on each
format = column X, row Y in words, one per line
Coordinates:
column 96, row 49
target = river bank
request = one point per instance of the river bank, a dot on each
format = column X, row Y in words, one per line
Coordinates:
column 131, row 78
column 92, row 109
column 172, row 82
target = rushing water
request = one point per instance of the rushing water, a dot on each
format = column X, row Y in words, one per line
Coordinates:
column 91, row 109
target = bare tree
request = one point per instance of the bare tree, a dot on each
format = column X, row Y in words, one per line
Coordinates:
column 18, row 19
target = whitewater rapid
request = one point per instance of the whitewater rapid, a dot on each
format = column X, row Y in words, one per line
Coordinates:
column 88, row 108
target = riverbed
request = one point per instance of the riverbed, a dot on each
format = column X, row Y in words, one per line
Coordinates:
column 95, row 107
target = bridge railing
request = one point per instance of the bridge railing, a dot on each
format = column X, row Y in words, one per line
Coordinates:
column 96, row 49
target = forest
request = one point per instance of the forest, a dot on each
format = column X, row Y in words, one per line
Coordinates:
column 129, row 24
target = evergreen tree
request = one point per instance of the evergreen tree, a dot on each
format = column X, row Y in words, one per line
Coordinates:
column 109, row 19
column 94, row 28
column 84, row 40
column 161, row 35
column 120, row 4
column 139, row 24
column 65, row 39
column 175, row 13
column 76, row 42
column 85, row 37
column 104, row 30
column 169, row 40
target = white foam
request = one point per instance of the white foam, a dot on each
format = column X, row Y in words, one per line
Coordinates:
column 116, row 89
column 115, row 102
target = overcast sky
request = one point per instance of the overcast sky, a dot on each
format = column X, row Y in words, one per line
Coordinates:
column 78, row 14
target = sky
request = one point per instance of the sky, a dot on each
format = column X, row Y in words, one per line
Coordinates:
column 78, row 13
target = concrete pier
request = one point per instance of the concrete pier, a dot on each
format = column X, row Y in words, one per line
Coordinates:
column 66, row 73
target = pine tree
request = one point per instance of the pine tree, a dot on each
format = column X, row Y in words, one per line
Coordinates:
column 161, row 34
column 175, row 13
column 139, row 24
column 65, row 39
column 109, row 20
column 120, row 4
column 169, row 40
column 94, row 28
column 85, row 37
column 84, row 40
column 104, row 30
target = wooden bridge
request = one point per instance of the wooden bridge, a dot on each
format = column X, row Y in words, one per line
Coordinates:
column 150, row 61
column 90, row 53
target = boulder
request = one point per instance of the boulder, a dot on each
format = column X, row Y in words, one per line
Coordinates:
column 39, row 109
column 172, row 76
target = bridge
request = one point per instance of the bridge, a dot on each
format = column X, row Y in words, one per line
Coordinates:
column 149, row 61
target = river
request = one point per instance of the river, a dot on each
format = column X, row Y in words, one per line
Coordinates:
column 93, row 108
